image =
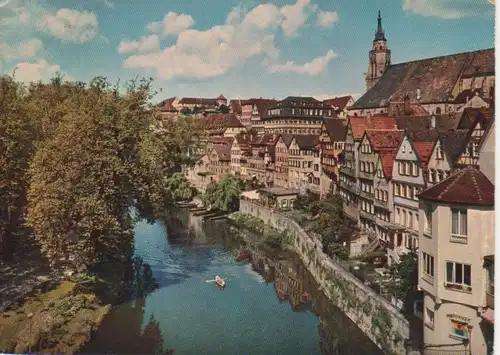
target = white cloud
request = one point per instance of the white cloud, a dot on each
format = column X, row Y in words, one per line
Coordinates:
column 42, row 70
column 22, row 50
column 313, row 67
column 212, row 52
column 144, row 45
column 447, row 9
column 327, row 18
column 295, row 16
column 172, row 23
column 70, row 25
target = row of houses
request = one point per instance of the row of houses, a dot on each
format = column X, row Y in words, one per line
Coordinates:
column 413, row 161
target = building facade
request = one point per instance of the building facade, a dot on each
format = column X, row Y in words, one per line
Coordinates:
column 296, row 115
column 457, row 247
column 331, row 146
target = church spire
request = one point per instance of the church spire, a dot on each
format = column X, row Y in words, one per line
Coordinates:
column 379, row 35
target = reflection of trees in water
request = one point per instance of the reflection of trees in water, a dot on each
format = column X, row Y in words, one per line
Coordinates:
column 121, row 331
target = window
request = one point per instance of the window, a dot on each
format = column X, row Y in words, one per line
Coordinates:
column 428, row 264
column 459, row 330
column 428, row 220
column 491, row 279
column 475, row 150
column 458, row 276
column 459, row 223
column 429, row 318
column 397, row 189
column 403, row 222
column 410, row 220
column 439, row 152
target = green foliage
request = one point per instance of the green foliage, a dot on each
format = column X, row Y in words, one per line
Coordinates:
column 186, row 111
column 16, row 149
column 305, row 203
column 225, row 194
column 249, row 222
column 179, row 187
column 223, row 109
column 331, row 222
column 278, row 239
column 404, row 277
column 77, row 157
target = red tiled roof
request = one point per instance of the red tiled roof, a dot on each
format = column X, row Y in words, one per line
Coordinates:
column 339, row 102
column 197, row 101
column 258, row 101
column 335, row 127
column 222, row 121
column 166, row 105
column 223, row 152
column 424, row 150
column 387, row 159
column 308, row 141
column 381, row 139
column 468, row 186
column 360, row 124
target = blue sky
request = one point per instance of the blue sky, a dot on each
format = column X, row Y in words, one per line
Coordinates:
column 238, row 48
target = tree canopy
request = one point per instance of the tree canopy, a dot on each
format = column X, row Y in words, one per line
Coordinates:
column 224, row 195
column 76, row 157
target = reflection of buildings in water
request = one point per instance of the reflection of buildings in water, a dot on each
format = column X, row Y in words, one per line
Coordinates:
column 289, row 287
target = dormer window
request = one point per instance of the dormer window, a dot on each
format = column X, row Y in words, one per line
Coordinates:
column 439, row 152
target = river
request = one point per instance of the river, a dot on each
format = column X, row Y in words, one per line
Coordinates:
column 269, row 306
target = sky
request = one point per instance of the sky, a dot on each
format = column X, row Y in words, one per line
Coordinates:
column 238, row 48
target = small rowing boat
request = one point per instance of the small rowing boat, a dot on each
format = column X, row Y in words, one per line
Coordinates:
column 219, row 281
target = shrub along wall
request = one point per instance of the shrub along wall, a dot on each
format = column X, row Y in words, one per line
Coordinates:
column 373, row 314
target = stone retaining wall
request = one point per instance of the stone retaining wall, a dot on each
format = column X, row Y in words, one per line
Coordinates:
column 374, row 315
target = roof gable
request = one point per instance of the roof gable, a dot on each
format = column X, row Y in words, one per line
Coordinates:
column 406, row 150
column 467, row 186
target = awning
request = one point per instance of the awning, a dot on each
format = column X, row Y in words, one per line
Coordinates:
column 489, row 316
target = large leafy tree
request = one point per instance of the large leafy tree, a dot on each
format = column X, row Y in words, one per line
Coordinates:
column 405, row 278
column 16, row 150
column 77, row 157
column 179, row 187
column 330, row 222
column 225, row 194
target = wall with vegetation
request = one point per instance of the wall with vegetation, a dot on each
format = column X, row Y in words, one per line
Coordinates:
column 374, row 315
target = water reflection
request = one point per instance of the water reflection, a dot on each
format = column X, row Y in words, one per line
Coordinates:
column 193, row 317
column 294, row 284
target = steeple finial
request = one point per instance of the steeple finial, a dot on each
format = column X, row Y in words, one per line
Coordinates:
column 379, row 35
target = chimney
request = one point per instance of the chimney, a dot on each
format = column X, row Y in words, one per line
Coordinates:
column 406, row 105
column 433, row 122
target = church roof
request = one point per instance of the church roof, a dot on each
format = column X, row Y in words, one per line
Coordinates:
column 435, row 77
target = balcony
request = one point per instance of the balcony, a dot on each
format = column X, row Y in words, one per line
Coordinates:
column 365, row 175
column 367, row 215
column 380, row 203
column 367, row 195
column 349, row 186
column 348, row 171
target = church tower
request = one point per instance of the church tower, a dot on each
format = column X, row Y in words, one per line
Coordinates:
column 380, row 56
